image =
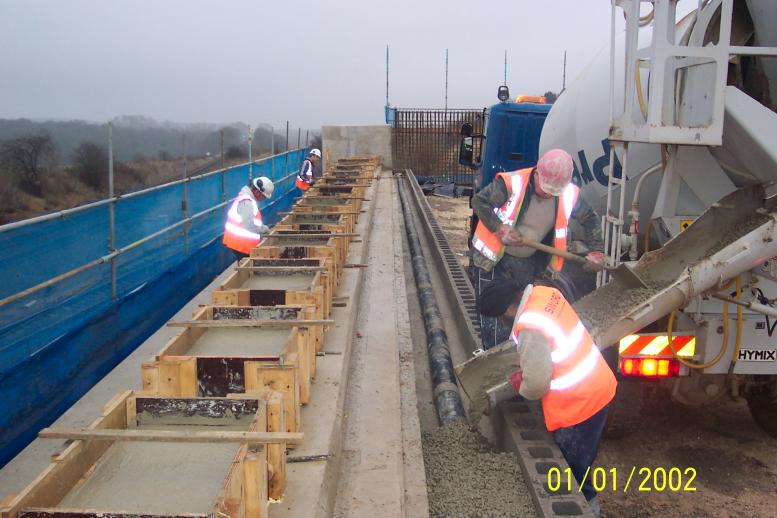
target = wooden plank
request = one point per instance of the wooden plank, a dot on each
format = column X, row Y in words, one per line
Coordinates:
column 282, row 268
column 143, row 435
column 279, row 379
column 303, row 234
column 132, row 413
column 276, row 453
column 250, row 323
column 45, row 512
column 322, row 213
column 255, row 484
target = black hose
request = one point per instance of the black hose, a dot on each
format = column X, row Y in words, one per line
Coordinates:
column 446, row 393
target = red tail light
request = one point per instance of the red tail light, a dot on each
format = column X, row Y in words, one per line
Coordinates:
column 650, row 367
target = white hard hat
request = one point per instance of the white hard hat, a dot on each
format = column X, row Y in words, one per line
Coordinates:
column 315, row 151
column 264, row 185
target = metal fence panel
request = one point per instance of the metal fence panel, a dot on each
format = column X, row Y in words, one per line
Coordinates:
column 427, row 141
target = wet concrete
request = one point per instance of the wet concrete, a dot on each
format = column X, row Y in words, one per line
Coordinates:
column 280, row 281
column 161, row 478
column 609, row 304
column 246, row 341
column 467, row 476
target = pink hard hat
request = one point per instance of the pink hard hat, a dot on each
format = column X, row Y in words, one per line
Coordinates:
column 554, row 171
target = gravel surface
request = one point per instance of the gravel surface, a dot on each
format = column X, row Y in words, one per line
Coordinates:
column 467, row 477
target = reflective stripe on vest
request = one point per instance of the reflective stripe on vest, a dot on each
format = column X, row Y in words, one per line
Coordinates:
column 581, row 382
column 484, row 241
column 566, row 204
column 236, row 236
column 492, row 248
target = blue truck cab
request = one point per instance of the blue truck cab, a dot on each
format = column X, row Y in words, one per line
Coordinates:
column 511, row 139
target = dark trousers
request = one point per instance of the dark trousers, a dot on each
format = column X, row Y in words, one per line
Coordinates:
column 580, row 444
column 239, row 256
column 524, row 270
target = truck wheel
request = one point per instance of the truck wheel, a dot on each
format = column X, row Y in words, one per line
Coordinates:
column 624, row 416
column 762, row 401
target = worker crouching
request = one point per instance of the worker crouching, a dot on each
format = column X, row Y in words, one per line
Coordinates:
column 244, row 227
column 561, row 365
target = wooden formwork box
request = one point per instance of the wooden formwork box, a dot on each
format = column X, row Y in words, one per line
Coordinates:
column 331, row 221
column 337, row 181
column 350, row 174
column 174, row 373
column 342, row 241
column 238, row 279
column 256, row 474
column 319, row 292
column 289, row 247
column 342, row 204
column 337, row 191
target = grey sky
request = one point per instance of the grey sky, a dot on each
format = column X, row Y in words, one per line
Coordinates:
column 310, row 62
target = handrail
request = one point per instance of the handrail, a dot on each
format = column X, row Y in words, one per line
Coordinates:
column 105, row 201
column 106, row 258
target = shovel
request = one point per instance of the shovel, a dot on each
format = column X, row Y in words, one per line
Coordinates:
column 622, row 272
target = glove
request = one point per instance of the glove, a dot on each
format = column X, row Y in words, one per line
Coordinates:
column 509, row 236
column 595, row 258
column 515, row 380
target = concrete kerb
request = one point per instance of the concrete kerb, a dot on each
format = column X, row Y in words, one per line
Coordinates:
column 312, row 486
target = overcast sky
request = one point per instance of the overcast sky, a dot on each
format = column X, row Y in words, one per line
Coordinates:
column 312, row 62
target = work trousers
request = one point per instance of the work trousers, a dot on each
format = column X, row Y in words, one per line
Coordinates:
column 523, row 270
column 239, row 256
column 579, row 444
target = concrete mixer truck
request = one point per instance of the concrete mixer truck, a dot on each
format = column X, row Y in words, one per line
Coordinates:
column 678, row 154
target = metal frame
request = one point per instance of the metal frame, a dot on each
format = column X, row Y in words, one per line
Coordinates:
column 664, row 58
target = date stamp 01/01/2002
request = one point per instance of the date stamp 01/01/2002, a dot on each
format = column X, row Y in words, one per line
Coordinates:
column 642, row 479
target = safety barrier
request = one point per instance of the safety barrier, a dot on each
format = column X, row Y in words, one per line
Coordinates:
column 82, row 288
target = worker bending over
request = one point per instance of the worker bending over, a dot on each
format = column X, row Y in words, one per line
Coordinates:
column 244, row 228
column 561, row 365
column 306, row 176
column 535, row 203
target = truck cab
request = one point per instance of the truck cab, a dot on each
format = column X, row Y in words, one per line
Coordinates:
column 510, row 140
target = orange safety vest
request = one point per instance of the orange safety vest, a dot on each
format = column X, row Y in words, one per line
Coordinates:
column 236, row 236
column 303, row 183
column 492, row 248
column 581, row 383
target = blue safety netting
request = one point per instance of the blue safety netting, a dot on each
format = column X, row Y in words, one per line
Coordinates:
column 57, row 342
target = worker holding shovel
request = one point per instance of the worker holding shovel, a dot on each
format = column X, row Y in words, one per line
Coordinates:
column 518, row 210
column 561, row 365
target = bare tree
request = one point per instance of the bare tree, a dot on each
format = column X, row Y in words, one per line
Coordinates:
column 91, row 163
column 27, row 155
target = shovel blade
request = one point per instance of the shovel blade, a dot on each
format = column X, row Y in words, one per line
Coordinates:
column 628, row 277
column 488, row 369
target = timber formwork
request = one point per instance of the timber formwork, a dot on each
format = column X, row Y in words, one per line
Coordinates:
column 208, row 433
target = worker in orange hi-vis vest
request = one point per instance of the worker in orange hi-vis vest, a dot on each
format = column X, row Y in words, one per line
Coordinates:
column 561, row 365
column 306, row 176
column 244, row 227
column 536, row 203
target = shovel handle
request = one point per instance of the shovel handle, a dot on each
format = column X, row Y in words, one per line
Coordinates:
column 561, row 253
